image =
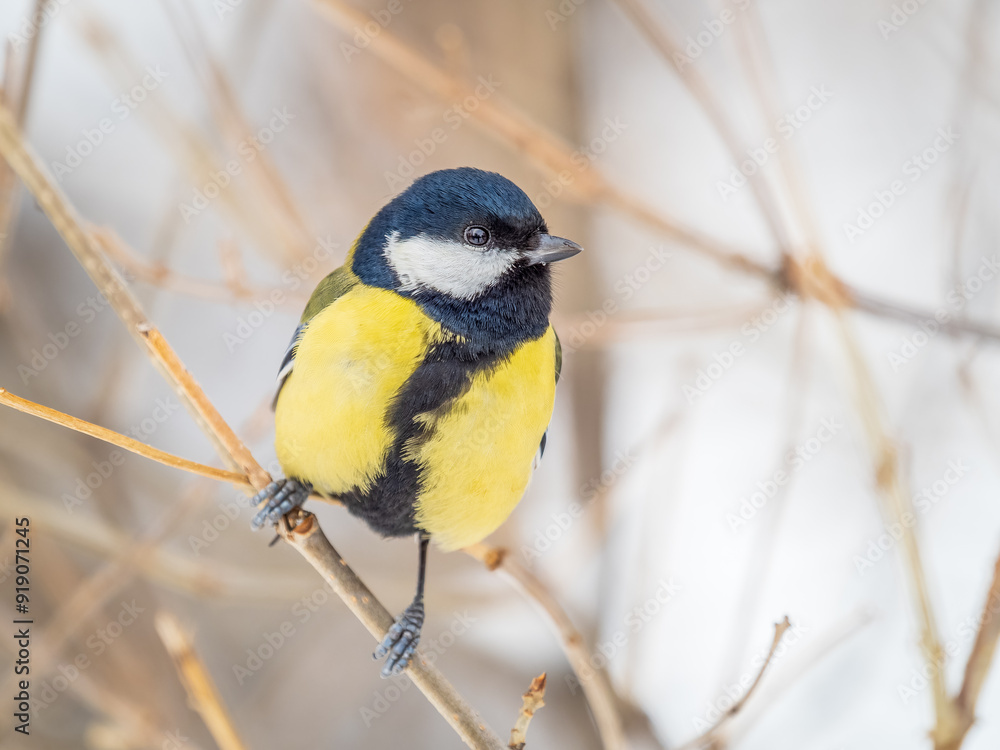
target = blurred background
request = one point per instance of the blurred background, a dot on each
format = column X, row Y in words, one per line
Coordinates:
column 776, row 396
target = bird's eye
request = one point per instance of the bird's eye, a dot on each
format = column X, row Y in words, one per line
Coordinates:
column 477, row 236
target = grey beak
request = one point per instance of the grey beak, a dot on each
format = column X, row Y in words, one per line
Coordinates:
column 550, row 249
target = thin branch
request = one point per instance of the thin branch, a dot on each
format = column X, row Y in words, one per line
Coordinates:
column 171, row 569
column 896, row 503
column 708, row 736
column 313, row 544
column 122, row 441
column 256, row 216
column 16, row 98
column 232, row 291
column 595, row 683
column 309, row 540
column 533, row 700
column 232, row 120
column 202, row 693
column 978, row 666
column 657, row 35
column 914, row 316
column 522, row 134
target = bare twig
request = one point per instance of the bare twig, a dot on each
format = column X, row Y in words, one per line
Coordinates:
column 17, row 95
column 706, row 738
column 518, row 131
column 533, row 700
column 313, row 544
column 309, row 540
column 202, row 693
column 977, row 668
column 122, row 441
column 951, row 326
column 159, row 275
column 595, row 683
column 660, row 38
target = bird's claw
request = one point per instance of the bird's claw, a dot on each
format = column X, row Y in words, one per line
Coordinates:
column 282, row 496
column 400, row 643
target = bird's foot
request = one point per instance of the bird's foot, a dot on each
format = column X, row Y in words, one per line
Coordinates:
column 401, row 641
column 283, row 496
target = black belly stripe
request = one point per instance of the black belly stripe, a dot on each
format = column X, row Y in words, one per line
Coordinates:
column 444, row 375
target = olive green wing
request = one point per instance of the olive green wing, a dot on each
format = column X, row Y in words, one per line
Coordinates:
column 329, row 290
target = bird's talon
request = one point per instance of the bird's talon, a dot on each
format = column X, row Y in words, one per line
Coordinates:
column 282, row 496
column 400, row 643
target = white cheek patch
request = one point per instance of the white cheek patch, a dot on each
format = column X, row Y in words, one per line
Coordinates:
column 451, row 268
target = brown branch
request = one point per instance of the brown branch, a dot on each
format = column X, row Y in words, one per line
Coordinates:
column 122, row 441
column 202, row 693
column 896, row 503
column 308, row 539
column 314, row 544
column 978, row 665
column 16, row 98
column 914, row 316
column 533, row 700
column 160, row 275
column 950, row 737
column 595, row 682
column 658, row 36
column 522, row 134
column 707, row 737
column 256, row 216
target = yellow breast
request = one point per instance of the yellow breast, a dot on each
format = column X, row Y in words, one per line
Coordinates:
column 353, row 359
column 478, row 462
column 350, row 362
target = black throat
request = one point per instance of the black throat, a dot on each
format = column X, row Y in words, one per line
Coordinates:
column 512, row 311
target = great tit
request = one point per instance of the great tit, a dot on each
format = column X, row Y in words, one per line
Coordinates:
column 418, row 387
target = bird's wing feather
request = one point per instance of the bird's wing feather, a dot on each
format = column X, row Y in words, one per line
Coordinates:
column 545, row 435
column 328, row 291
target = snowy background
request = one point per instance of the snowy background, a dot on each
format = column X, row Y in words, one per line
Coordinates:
column 715, row 458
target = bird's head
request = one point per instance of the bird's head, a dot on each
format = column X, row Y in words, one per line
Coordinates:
column 458, row 234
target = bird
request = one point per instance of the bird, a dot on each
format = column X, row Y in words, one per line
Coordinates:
column 418, row 387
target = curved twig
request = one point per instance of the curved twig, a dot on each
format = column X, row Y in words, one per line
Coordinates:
column 308, row 539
